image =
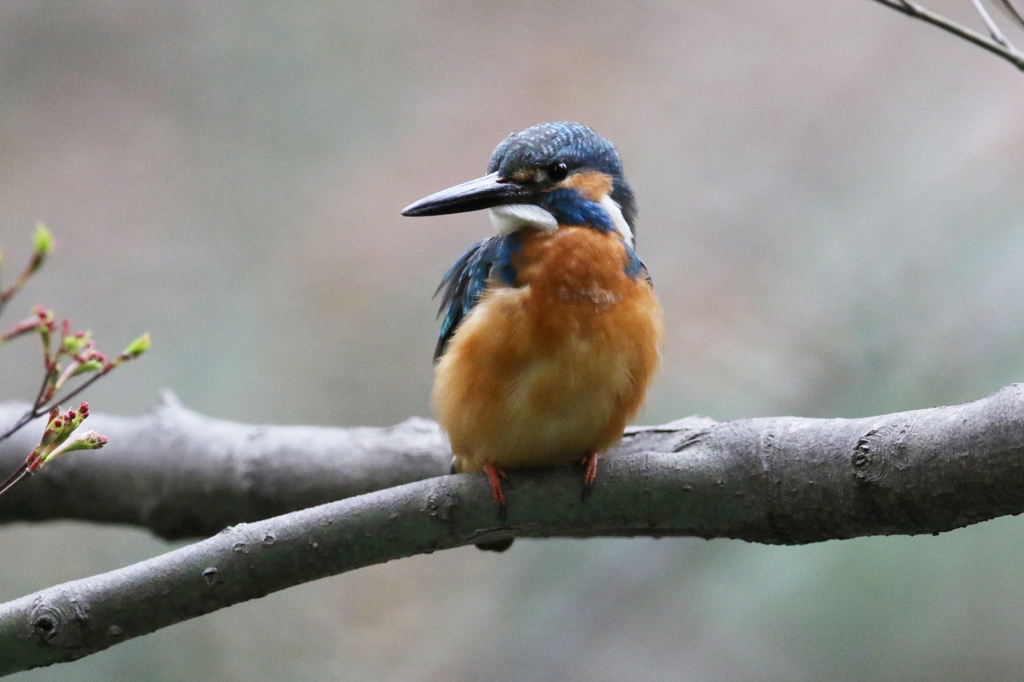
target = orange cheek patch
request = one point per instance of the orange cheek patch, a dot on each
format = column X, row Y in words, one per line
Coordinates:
column 592, row 185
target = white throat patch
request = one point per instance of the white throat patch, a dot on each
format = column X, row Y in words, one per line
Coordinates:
column 615, row 211
column 514, row 217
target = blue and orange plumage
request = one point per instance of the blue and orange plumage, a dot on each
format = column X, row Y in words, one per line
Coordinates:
column 551, row 330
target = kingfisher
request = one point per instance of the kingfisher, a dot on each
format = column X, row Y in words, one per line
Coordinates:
column 551, row 331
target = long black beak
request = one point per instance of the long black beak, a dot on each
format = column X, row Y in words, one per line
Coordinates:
column 485, row 192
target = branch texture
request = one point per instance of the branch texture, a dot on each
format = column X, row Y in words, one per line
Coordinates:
column 780, row 480
column 184, row 475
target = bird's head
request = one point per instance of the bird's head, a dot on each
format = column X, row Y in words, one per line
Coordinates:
column 549, row 175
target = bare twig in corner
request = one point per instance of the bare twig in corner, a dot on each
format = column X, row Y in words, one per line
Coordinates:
column 997, row 44
column 1011, row 11
column 990, row 24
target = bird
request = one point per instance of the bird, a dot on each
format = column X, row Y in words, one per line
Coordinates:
column 551, row 331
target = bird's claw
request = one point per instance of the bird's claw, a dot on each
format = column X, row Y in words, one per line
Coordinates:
column 495, row 476
column 589, row 464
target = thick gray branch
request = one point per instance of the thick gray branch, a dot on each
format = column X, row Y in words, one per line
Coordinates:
column 181, row 474
column 781, row 480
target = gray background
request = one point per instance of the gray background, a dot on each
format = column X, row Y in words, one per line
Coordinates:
column 831, row 204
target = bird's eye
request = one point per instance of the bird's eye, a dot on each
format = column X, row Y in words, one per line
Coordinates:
column 558, row 172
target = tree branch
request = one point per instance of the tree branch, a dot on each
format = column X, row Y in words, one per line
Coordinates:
column 997, row 44
column 183, row 475
column 990, row 24
column 780, row 480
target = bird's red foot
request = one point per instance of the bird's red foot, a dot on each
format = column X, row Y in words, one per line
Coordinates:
column 495, row 476
column 589, row 464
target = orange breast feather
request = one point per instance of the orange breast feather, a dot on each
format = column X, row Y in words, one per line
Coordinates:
column 545, row 372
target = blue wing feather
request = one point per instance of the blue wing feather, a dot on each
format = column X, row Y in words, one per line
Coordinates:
column 465, row 281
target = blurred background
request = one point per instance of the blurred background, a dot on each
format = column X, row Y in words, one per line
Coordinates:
column 831, row 205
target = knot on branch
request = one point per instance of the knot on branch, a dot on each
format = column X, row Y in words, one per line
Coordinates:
column 879, row 449
column 59, row 621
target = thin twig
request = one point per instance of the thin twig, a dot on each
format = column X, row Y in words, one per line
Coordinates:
column 32, row 413
column 912, row 9
column 40, row 411
column 1011, row 11
column 7, row 294
column 21, row 472
column 990, row 24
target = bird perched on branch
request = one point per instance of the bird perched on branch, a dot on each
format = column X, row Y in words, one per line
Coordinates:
column 551, row 329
